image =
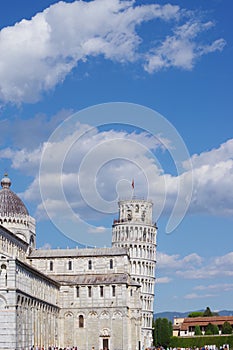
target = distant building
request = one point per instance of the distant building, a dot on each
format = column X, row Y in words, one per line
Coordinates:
column 186, row 326
column 101, row 298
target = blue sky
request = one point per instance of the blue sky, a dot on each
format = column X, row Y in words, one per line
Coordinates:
column 169, row 64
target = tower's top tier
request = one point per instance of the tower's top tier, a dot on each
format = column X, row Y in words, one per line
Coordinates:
column 136, row 211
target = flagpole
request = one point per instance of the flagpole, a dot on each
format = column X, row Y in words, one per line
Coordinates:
column 133, row 186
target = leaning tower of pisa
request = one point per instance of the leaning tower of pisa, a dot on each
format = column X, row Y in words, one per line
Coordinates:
column 135, row 230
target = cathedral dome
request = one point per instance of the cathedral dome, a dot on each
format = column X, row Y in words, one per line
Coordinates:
column 10, row 204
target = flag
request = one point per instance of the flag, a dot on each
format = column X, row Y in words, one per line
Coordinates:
column 133, row 183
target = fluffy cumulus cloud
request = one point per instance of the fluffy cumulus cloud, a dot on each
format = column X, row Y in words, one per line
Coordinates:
column 181, row 49
column 38, row 54
column 175, row 262
column 79, row 177
column 217, row 267
column 213, row 175
column 85, row 161
column 195, row 268
column 94, row 168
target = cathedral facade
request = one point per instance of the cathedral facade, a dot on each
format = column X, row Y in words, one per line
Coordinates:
column 92, row 298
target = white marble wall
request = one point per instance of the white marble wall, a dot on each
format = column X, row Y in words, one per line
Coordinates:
column 79, row 264
column 28, row 306
column 134, row 229
column 110, row 317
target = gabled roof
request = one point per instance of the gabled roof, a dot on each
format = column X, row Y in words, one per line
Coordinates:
column 204, row 321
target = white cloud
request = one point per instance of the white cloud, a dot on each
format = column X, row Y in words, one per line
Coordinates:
column 174, row 262
column 195, row 267
column 199, row 273
column 214, row 156
column 99, row 229
column 167, row 261
column 38, row 54
column 119, row 156
column 115, row 154
column 212, row 290
column 182, row 50
column 199, row 296
column 162, row 280
column 213, row 176
column 219, row 287
column 225, row 261
column 217, row 267
column 22, row 159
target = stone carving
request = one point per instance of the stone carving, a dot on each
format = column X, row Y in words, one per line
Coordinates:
column 104, row 314
column 92, row 314
column 105, row 332
column 117, row 315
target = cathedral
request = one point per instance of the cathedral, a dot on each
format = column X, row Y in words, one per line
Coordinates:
column 92, row 298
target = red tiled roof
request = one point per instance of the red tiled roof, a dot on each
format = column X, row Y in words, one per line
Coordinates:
column 204, row 321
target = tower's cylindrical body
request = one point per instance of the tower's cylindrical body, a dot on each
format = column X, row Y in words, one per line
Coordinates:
column 135, row 230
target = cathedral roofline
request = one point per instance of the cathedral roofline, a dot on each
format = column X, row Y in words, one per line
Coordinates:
column 37, row 272
column 77, row 252
column 96, row 279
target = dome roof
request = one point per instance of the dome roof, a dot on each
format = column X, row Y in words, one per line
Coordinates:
column 10, row 204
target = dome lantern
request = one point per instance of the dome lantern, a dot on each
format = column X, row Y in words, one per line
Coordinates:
column 5, row 182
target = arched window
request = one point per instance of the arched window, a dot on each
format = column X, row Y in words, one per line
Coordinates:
column 113, row 291
column 81, row 321
column 77, row 291
column 89, row 291
column 89, row 265
column 69, row 265
column 51, row 266
column 31, row 241
column 111, row 264
column 129, row 215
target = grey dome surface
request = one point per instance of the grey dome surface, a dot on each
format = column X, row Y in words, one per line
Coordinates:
column 10, row 204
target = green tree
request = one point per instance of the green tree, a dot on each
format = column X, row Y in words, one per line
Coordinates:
column 226, row 328
column 207, row 312
column 162, row 332
column 170, row 329
column 197, row 330
column 211, row 329
column 215, row 329
column 195, row 314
